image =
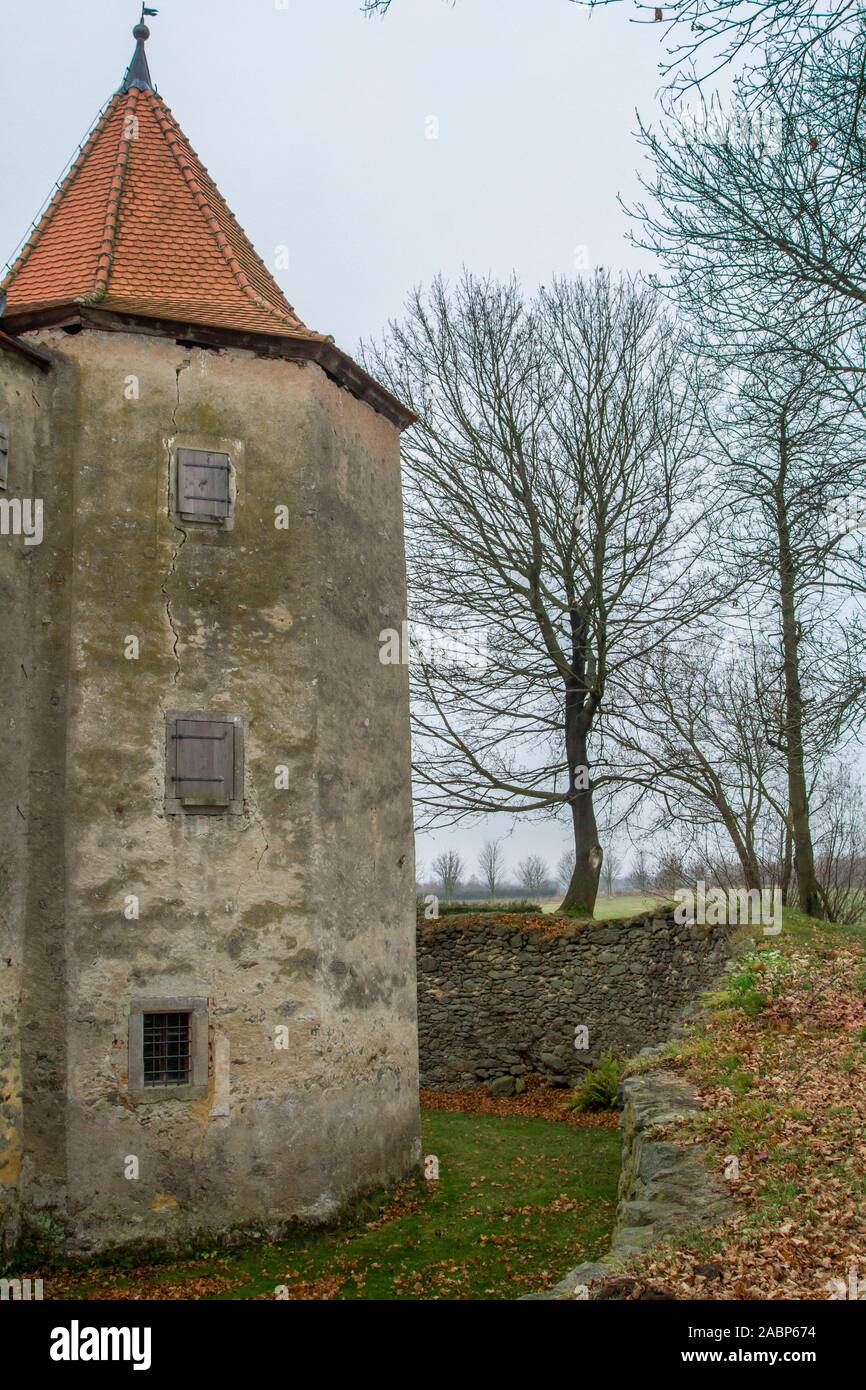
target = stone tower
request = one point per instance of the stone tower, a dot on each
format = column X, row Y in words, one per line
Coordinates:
column 207, row 970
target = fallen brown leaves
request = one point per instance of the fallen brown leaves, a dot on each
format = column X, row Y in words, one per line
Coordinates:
column 544, row 924
column 538, row 1102
column 405, row 1202
column 110, row 1285
column 792, row 1112
column 310, row 1290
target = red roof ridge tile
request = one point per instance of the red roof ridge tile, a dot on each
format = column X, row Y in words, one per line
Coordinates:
column 106, row 255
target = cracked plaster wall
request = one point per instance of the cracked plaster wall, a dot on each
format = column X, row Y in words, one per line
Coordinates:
column 33, row 604
column 297, row 915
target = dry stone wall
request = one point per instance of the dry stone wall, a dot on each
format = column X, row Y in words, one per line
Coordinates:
column 498, row 1001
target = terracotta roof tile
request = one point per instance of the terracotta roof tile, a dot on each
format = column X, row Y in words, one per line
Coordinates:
column 139, row 226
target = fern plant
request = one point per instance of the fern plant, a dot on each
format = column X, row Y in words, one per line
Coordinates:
column 597, row 1090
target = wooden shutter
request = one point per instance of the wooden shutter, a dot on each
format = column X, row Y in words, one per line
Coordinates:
column 203, row 483
column 204, row 761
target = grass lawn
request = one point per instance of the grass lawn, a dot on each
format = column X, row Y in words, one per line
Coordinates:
column 606, row 909
column 519, row 1203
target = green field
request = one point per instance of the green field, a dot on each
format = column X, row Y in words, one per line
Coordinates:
column 606, row 909
column 519, row 1203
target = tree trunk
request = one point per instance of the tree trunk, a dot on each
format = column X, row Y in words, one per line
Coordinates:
column 804, row 857
column 582, row 891
column 745, row 849
column 787, row 862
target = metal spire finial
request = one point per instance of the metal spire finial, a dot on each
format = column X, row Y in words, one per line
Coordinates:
column 138, row 72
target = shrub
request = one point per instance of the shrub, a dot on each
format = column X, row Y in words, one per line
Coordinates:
column 597, row 1090
column 467, row 909
column 760, row 975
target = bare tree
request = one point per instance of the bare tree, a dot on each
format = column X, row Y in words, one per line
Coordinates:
column 565, row 867
column 533, row 875
column 382, row 6
column 789, row 450
column 758, row 211
column 449, row 869
column 492, row 865
column 693, row 742
column 671, row 871
column 552, row 491
column 737, row 731
column 640, row 874
column 759, row 216
column 713, row 863
column 702, row 37
column 840, row 838
column 611, row 867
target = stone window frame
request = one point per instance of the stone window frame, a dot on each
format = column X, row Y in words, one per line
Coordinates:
column 174, row 806
column 197, row 1086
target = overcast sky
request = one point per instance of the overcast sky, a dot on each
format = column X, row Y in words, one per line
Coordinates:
column 315, row 123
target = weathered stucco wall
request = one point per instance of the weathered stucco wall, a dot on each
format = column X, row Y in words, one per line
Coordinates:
column 498, row 1002
column 24, row 570
column 299, row 914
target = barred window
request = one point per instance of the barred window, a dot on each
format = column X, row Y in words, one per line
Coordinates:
column 168, row 1049
column 167, row 1046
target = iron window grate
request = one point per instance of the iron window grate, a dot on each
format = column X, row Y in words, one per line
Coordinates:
column 167, row 1040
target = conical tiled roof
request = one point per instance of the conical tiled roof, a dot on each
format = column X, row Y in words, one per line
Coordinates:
column 139, row 229
column 139, row 226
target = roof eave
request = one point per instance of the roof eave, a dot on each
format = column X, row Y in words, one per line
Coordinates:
column 13, row 345
column 338, row 365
